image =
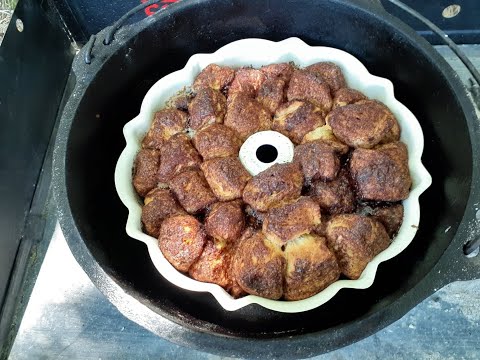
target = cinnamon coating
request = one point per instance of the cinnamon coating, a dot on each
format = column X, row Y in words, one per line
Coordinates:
column 381, row 174
column 145, row 170
column 166, row 123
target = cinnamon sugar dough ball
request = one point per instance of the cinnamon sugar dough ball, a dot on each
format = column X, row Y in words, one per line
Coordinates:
column 215, row 77
column 310, row 268
column 297, row 118
column 216, row 141
column 225, row 221
column 192, row 190
column 258, row 266
column 330, row 73
column 334, row 197
column 159, row 204
column 306, row 86
column 207, row 107
column 318, row 161
column 279, row 184
column 226, row 176
column 381, row 174
column 363, row 124
column 145, row 170
column 288, row 222
column 181, row 241
column 177, row 155
column 246, row 116
column 166, row 123
column 247, row 81
column 355, row 241
column 347, row 96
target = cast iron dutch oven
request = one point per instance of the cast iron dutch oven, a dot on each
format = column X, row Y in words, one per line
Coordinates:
column 108, row 93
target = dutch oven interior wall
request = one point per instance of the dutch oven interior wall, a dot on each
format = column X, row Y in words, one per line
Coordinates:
column 96, row 142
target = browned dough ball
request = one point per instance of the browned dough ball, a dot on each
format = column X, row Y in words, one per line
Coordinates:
column 296, row 118
column 225, row 221
column 192, row 191
column 282, row 71
column 288, row 222
column 213, row 264
column 318, row 161
column 271, row 94
column 391, row 216
column 216, row 141
column 355, row 240
column 207, row 107
column 279, row 184
column 181, row 241
column 145, row 171
column 226, row 176
column 363, row 124
column 177, row 155
column 215, row 77
column 166, row 123
column 330, row 73
column 258, row 267
column 347, row 96
column 246, row 115
column 334, row 197
column 306, row 86
column 381, row 174
column 325, row 134
column 311, row 267
column 247, row 82
column 159, row 204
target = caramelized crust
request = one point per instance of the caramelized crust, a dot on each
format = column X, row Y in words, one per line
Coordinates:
column 290, row 221
column 226, row 176
column 282, row 71
column 166, row 123
column 216, row 141
column 296, row 118
column 146, row 167
column 363, row 124
column 306, row 86
column 247, row 82
column 355, row 241
column 391, row 216
column 334, row 197
column 159, row 205
column 207, row 107
column 177, row 155
column 325, row 134
column 311, row 267
column 181, row 241
column 258, row 267
column 381, row 174
column 246, row 116
column 347, row 96
column 279, row 184
column 318, row 161
column 212, row 265
column 192, row 191
column 271, row 94
column 215, row 77
column 330, row 73
column 225, row 221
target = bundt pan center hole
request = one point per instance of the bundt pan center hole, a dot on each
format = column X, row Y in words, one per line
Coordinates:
column 267, row 153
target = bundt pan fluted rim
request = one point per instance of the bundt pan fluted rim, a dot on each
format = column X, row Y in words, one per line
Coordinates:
column 257, row 52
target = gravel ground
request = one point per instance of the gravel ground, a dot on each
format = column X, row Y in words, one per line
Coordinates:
column 6, row 11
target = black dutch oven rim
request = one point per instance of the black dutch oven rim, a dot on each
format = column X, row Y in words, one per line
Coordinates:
column 299, row 346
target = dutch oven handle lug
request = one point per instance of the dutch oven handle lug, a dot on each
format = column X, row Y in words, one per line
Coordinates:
column 111, row 30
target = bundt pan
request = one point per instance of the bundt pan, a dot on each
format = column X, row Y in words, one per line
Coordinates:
column 108, row 93
column 257, row 52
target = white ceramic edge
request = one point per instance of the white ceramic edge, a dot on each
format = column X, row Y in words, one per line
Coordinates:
column 257, row 52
